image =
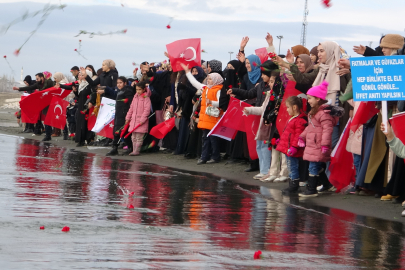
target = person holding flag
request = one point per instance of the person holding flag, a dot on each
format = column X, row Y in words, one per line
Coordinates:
column 209, row 115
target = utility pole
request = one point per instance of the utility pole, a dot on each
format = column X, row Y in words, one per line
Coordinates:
column 279, row 44
column 230, row 55
column 304, row 25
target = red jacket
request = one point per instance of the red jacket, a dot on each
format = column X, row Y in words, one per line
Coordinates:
column 291, row 133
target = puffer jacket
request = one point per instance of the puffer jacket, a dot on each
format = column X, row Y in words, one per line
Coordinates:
column 139, row 111
column 290, row 135
column 318, row 133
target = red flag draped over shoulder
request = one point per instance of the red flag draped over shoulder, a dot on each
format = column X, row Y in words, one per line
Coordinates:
column 184, row 51
column 37, row 101
column 56, row 116
column 263, row 54
column 283, row 115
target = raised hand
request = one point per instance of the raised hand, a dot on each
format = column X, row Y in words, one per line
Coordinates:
column 269, row 39
column 344, row 63
column 83, row 72
column 289, row 57
column 241, row 57
column 243, row 43
column 359, row 49
column 185, row 67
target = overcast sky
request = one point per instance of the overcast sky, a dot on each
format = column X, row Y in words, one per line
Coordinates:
column 219, row 23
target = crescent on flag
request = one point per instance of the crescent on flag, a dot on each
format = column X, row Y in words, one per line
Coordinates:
column 195, row 54
column 58, row 106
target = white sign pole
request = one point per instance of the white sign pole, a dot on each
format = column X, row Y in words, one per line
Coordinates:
column 384, row 114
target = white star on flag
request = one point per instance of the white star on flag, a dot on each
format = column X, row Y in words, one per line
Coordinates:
column 57, row 116
column 111, row 125
column 182, row 55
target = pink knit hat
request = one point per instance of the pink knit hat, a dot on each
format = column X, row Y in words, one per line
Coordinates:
column 319, row 91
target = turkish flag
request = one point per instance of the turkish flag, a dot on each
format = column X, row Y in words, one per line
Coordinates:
column 185, row 51
column 161, row 130
column 219, row 130
column 365, row 111
column 263, row 54
column 108, row 130
column 398, row 126
column 283, row 115
column 56, row 116
column 92, row 119
column 341, row 167
column 37, row 101
column 24, row 118
column 235, row 119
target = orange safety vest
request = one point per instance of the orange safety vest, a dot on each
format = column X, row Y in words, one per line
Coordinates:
column 206, row 121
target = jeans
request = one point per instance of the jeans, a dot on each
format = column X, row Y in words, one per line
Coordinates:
column 314, row 168
column 357, row 163
column 293, row 167
column 210, row 147
column 264, row 157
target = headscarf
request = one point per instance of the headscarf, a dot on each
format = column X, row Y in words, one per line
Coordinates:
column 216, row 66
column 109, row 63
column 314, row 51
column 200, row 76
column 299, row 49
column 60, row 77
column 235, row 64
column 330, row 67
column 216, row 79
column 47, row 75
column 28, row 79
column 255, row 74
column 84, row 83
column 307, row 62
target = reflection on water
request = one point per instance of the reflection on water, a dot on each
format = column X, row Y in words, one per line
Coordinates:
column 129, row 215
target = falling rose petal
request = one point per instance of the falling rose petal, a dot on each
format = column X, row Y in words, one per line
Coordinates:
column 42, row 228
column 168, row 26
column 131, row 194
column 65, row 229
column 130, row 206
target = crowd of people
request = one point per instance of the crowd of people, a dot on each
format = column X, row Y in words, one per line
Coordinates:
column 198, row 96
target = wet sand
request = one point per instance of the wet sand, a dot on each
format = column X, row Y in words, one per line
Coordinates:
column 360, row 205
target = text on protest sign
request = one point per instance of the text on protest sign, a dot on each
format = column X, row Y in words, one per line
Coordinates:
column 378, row 78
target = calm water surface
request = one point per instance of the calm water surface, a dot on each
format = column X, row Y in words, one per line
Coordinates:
column 179, row 220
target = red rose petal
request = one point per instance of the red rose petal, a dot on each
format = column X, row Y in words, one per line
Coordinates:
column 168, row 26
column 42, row 228
column 65, row 229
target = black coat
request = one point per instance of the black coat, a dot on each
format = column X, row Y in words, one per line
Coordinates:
column 105, row 79
column 122, row 108
column 71, row 113
column 82, row 132
column 160, row 88
column 230, row 79
column 255, row 92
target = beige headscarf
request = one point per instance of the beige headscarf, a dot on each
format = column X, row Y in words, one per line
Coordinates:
column 109, row 63
column 58, row 76
column 328, row 70
column 307, row 62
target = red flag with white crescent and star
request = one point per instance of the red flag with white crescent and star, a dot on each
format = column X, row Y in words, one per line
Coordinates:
column 184, row 51
column 37, row 101
column 108, row 130
column 56, row 115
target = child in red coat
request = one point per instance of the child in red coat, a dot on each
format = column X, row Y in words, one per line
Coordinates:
column 289, row 141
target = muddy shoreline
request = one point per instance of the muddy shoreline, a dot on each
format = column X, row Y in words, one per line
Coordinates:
column 360, row 205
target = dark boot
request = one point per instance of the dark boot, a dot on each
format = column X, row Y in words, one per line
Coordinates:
column 108, row 141
column 113, row 151
column 326, row 185
column 311, row 187
column 65, row 137
column 46, row 139
column 293, row 187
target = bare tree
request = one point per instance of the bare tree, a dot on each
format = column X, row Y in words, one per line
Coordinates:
column 7, row 83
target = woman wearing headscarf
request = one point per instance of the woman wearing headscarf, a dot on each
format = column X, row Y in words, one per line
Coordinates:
column 215, row 66
column 304, row 65
column 210, row 94
column 29, row 128
column 314, row 56
column 186, row 92
column 81, row 92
